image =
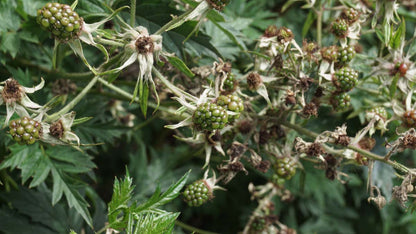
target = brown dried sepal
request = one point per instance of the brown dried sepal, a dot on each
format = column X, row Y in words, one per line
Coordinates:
column 315, row 149
column 144, row 45
column 271, row 31
column 236, row 150
column 12, row 91
column 216, row 4
column 409, row 141
column 253, row 81
column 57, row 129
column 284, row 35
column 245, row 126
column 310, row 109
column 343, row 140
column 263, row 166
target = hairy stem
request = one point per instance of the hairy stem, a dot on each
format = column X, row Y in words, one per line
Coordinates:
column 74, row 101
column 365, row 153
column 133, row 13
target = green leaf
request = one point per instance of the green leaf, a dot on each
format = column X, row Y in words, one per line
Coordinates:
column 179, row 64
column 398, row 37
column 18, row 155
column 10, row 43
column 73, row 197
column 393, row 86
column 170, row 194
column 309, row 21
column 122, row 193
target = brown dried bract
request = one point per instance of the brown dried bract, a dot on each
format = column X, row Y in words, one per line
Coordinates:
column 236, row 150
column 253, row 81
column 315, row 149
column 263, row 166
column 310, row 109
column 144, row 45
column 12, row 91
column 343, row 140
column 57, row 129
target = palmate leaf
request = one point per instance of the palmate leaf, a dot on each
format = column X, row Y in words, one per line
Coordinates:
column 60, row 161
column 122, row 215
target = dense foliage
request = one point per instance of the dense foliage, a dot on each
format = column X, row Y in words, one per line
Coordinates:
column 207, row 116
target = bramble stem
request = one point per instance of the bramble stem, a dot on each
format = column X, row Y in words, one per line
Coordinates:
column 366, row 153
column 55, row 54
column 133, row 13
column 74, row 101
column 191, row 228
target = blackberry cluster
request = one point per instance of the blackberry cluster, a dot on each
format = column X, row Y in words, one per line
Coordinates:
column 229, row 82
column 380, row 111
column 61, row 20
column 231, row 103
column 345, row 55
column 345, row 79
column 340, row 101
column 285, row 168
column 209, row 117
column 25, row 130
column 340, row 28
column 258, row 224
column 218, row 4
column 197, row 193
column 350, row 15
column 409, row 118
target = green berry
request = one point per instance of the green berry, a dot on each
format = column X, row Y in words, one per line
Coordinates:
column 409, row 118
column 25, row 130
column 340, row 101
column 285, row 168
column 60, row 20
column 209, row 117
column 380, row 111
column 229, row 82
column 350, row 15
column 258, row 224
column 330, row 53
column 277, row 180
column 340, row 28
column 197, row 193
column 346, row 54
column 345, row 79
column 231, row 103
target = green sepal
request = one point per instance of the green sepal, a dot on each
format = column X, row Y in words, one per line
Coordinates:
column 143, row 96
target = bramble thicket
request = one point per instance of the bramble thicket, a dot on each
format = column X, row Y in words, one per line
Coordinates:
column 207, row 116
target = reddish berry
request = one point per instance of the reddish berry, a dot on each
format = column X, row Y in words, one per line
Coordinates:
column 409, row 118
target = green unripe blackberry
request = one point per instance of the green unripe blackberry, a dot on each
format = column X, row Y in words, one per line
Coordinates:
column 25, row 130
column 340, row 28
column 210, row 116
column 218, row 4
column 197, row 193
column 380, row 111
column 350, row 15
column 230, row 82
column 60, row 20
column 330, row 53
column 409, row 118
column 231, row 103
column 345, row 79
column 340, row 101
column 277, row 180
column 346, row 54
column 258, row 224
column 285, row 168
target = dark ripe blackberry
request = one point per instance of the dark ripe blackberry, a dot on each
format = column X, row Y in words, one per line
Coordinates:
column 64, row 23
column 409, row 118
column 25, row 130
column 231, row 103
column 340, row 101
column 209, row 117
column 285, row 168
column 346, row 54
column 345, row 79
column 197, row 193
column 340, row 28
column 218, row 4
